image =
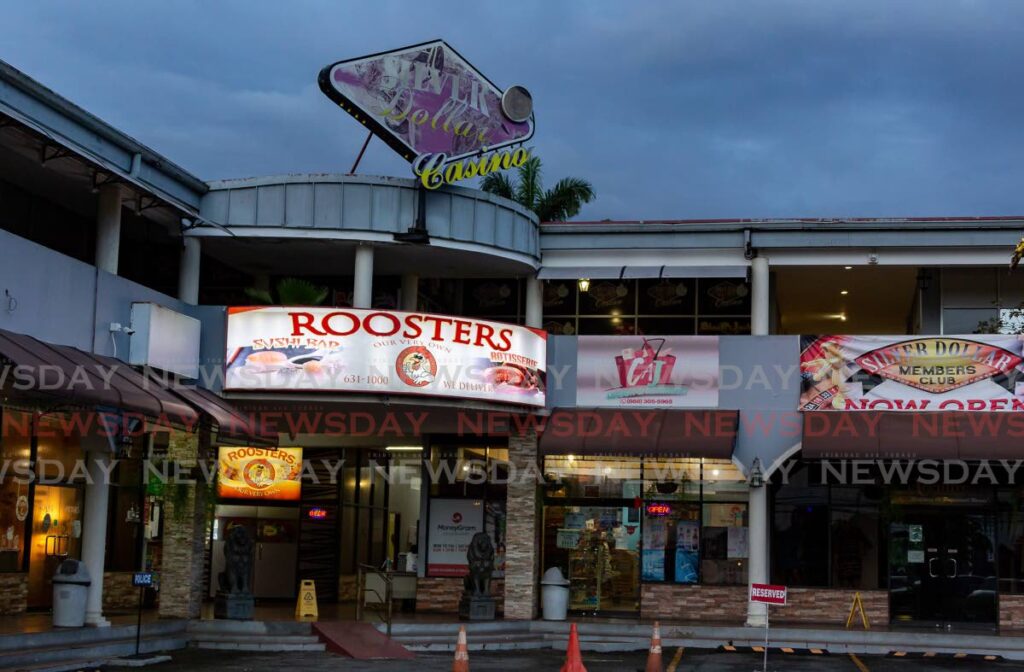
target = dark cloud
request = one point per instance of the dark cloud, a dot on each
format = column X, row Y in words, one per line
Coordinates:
column 673, row 109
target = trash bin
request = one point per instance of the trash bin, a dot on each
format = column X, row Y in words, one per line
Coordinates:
column 70, row 590
column 554, row 595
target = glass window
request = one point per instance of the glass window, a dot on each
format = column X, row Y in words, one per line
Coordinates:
column 671, row 536
column 666, row 297
column 609, row 297
column 723, row 296
column 593, row 477
column 667, row 478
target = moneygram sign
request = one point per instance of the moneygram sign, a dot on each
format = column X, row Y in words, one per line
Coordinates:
column 435, row 109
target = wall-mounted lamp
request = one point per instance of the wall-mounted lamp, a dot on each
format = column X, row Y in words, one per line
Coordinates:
column 756, row 475
column 584, row 284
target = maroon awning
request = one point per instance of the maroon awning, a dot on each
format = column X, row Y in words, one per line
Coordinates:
column 231, row 426
column 943, row 435
column 654, row 432
column 68, row 376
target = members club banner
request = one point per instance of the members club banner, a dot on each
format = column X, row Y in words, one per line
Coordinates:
column 647, row 371
column 382, row 352
column 899, row 373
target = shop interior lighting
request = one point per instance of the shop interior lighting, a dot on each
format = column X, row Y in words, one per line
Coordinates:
column 848, row 268
column 404, row 449
column 845, row 292
column 584, row 284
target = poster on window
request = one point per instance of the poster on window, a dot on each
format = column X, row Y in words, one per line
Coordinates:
column 687, row 551
column 736, row 543
column 453, row 522
column 653, row 565
column 647, row 371
column 979, row 372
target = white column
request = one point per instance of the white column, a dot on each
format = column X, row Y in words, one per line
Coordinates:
column 410, row 292
column 534, row 302
column 759, row 296
column 362, row 289
column 757, row 513
column 188, row 270
column 757, row 563
column 94, row 529
column 108, row 228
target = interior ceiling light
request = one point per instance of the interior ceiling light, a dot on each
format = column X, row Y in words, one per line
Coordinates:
column 844, row 292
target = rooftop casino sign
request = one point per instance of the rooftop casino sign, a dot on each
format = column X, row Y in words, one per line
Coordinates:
column 434, row 108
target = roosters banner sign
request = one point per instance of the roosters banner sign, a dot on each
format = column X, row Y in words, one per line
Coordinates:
column 647, row 371
column 384, row 352
column 259, row 473
column 925, row 373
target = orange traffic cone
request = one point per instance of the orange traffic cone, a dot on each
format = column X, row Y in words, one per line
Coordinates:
column 654, row 657
column 461, row 663
column 573, row 658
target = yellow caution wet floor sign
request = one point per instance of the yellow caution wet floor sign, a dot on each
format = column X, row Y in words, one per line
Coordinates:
column 855, row 608
column 305, row 606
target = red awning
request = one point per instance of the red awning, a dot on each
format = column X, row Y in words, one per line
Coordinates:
column 943, row 435
column 230, row 424
column 64, row 375
column 655, row 432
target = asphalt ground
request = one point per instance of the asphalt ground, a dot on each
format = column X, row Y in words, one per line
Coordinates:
column 543, row 661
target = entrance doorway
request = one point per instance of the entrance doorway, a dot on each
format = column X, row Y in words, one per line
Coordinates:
column 942, row 570
column 274, row 531
column 56, row 536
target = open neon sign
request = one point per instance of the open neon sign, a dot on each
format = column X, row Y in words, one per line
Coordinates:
column 658, row 509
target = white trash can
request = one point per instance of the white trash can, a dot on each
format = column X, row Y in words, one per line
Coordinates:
column 70, row 592
column 554, row 595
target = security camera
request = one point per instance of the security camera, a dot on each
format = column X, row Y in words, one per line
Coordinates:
column 128, row 330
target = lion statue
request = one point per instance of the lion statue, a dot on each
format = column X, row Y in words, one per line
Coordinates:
column 481, row 565
column 237, row 562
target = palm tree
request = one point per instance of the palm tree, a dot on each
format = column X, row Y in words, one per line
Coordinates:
column 561, row 202
column 290, row 292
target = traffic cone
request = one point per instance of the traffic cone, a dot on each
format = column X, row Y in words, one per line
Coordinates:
column 573, row 658
column 654, row 663
column 461, row 663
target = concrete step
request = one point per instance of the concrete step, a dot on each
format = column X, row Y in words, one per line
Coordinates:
column 260, row 645
column 74, row 636
column 225, row 626
column 80, row 665
column 255, row 639
column 47, row 657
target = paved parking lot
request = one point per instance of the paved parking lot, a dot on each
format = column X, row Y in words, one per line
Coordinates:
column 543, row 661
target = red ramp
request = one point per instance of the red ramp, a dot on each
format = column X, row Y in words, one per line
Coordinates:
column 361, row 641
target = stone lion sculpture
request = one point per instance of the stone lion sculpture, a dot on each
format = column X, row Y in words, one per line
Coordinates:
column 237, row 562
column 481, row 565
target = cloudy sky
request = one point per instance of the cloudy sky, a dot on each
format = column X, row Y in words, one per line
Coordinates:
column 673, row 110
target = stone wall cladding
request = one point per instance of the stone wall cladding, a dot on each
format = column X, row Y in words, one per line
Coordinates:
column 522, row 537
column 719, row 604
column 118, row 592
column 1011, row 612
column 728, row 604
column 440, row 595
column 181, row 571
column 825, row 606
column 13, row 593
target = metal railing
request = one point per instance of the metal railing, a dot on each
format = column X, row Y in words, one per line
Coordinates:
column 385, row 600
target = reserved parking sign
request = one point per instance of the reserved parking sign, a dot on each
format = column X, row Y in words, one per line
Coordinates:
column 768, row 593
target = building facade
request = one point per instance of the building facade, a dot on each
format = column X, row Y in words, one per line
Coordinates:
column 666, row 411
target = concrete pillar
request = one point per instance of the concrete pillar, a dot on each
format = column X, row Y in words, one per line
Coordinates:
column 410, row 292
column 108, row 228
column 188, row 270
column 534, row 302
column 757, row 563
column 94, row 529
column 757, row 513
column 362, row 287
column 522, row 532
column 760, row 308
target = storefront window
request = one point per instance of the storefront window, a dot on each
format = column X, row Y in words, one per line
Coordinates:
column 667, row 306
column 692, row 516
column 468, row 488
column 14, row 491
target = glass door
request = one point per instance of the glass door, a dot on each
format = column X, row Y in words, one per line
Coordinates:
column 942, row 569
column 56, row 536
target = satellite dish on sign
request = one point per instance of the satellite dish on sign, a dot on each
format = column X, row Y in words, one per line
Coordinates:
column 517, row 104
